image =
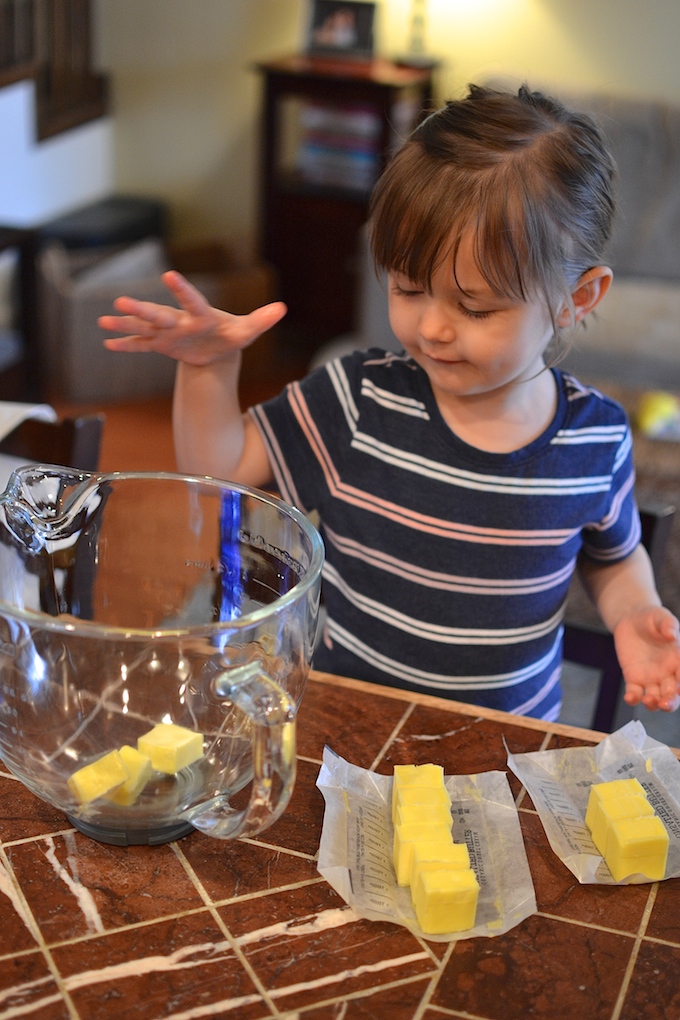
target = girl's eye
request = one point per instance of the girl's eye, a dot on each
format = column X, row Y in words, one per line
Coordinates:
column 471, row 314
column 405, row 291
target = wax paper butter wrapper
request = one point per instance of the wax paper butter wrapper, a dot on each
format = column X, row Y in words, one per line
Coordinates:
column 355, row 854
column 559, row 782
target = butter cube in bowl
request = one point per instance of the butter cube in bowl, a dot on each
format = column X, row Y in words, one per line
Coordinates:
column 139, row 767
column 171, row 748
column 98, row 778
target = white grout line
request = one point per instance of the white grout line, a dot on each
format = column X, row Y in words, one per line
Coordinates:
column 24, row 911
column 625, row 984
column 392, row 737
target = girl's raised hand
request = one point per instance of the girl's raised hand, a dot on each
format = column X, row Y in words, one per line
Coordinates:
column 195, row 332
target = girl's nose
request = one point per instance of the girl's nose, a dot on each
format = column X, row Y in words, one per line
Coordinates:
column 436, row 326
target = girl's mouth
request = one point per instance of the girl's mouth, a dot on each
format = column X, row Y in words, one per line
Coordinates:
column 443, row 361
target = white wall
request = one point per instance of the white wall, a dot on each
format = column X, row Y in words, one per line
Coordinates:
column 186, row 96
column 621, row 46
column 39, row 181
column 186, row 103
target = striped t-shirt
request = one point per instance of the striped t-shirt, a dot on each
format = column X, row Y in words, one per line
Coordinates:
column 447, row 567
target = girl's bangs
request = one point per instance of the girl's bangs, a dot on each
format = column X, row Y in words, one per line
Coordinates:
column 410, row 237
column 420, row 216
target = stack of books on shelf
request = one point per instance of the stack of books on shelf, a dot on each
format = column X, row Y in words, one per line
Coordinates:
column 339, row 146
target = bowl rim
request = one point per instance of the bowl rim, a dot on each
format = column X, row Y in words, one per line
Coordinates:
column 68, row 623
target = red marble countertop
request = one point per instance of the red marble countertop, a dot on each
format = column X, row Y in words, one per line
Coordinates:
column 249, row 929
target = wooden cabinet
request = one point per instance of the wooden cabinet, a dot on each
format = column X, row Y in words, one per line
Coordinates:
column 328, row 127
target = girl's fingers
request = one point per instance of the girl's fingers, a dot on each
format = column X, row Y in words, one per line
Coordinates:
column 189, row 297
column 127, row 324
column 665, row 624
column 160, row 316
column 128, row 344
column 669, row 628
column 633, row 694
column 260, row 320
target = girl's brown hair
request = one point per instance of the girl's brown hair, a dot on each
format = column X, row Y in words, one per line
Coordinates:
column 530, row 179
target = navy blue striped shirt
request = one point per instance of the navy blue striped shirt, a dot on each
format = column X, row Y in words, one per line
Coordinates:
column 447, row 567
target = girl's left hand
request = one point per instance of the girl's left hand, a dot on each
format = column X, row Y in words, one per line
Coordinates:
column 648, row 649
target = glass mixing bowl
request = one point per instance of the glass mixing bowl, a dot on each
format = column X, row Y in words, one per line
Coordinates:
column 156, row 632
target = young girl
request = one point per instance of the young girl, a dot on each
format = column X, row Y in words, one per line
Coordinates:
column 459, row 484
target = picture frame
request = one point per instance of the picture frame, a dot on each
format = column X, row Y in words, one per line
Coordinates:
column 341, row 28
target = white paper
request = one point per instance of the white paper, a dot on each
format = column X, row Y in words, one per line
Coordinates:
column 12, row 415
column 355, row 855
column 559, row 782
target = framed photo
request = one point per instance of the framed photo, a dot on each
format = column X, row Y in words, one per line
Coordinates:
column 341, row 28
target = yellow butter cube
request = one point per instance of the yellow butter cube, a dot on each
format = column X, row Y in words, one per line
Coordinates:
column 610, row 791
column 429, row 855
column 446, row 901
column 424, row 776
column 628, row 806
column 425, row 813
column 98, row 778
column 139, row 766
column 637, row 846
column 171, row 748
column 404, row 837
column 407, row 796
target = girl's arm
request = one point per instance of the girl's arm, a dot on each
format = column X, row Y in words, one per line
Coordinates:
column 211, row 435
column 645, row 633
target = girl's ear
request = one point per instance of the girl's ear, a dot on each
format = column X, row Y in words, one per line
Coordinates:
column 588, row 293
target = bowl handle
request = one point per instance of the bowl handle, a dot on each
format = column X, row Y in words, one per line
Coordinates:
column 272, row 712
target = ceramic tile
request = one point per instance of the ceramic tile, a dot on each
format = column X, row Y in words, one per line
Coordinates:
column 557, row 891
column 544, row 967
column 654, row 989
column 356, row 735
column 76, row 886
column 560, row 740
column 27, row 988
column 16, row 922
column 398, row 1003
column 463, row 744
column 306, row 945
column 438, row 1014
column 299, row 827
column 229, row 868
column 664, row 922
column 23, row 815
column 184, row 967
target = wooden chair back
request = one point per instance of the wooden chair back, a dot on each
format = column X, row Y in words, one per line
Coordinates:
column 72, row 442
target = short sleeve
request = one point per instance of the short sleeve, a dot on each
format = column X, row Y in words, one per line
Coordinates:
column 618, row 532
